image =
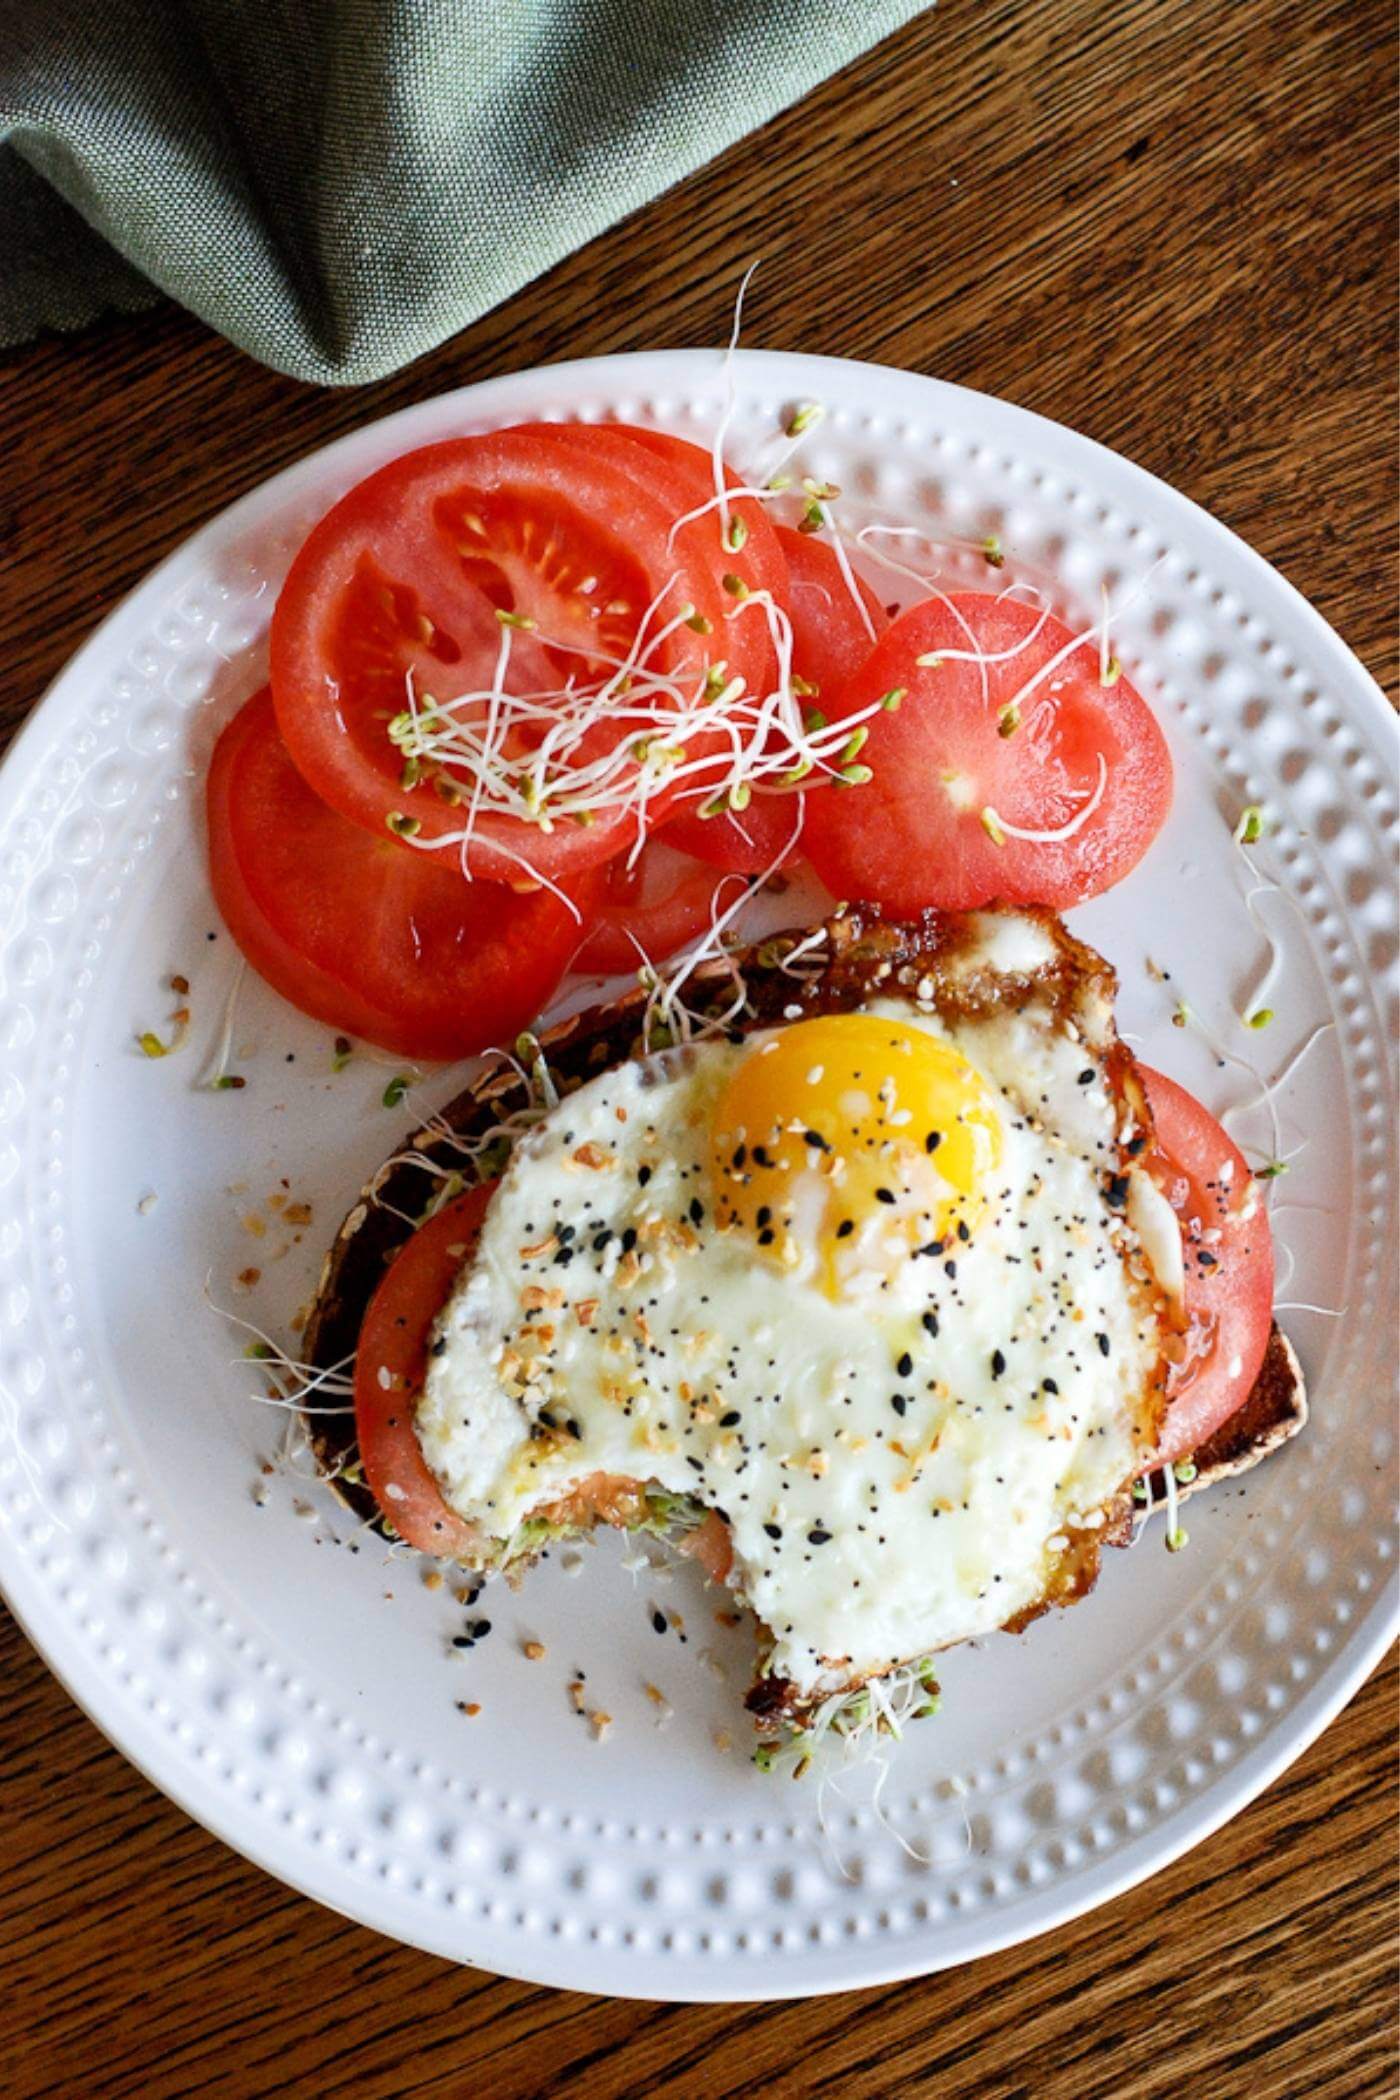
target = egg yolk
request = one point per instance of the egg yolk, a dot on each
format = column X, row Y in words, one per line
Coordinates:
column 845, row 1143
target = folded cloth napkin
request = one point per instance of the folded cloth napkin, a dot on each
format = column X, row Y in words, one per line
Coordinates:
column 337, row 185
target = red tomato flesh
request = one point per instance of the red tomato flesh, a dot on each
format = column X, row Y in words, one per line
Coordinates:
column 745, row 644
column 711, row 1544
column 381, row 941
column 391, row 1363
column 962, row 761
column 681, row 475
column 403, row 580
column 1229, row 1264
column 830, row 641
column 646, row 912
column 744, row 842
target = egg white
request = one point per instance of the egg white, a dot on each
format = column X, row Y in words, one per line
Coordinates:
column 890, row 1490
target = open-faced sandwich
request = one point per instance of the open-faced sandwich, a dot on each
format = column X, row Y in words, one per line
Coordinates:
column 880, row 1299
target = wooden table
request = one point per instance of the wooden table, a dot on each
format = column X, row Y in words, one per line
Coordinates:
column 1167, row 225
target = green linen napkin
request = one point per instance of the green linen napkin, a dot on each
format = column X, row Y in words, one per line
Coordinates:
column 337, row 185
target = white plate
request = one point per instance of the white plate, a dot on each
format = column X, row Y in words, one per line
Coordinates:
column 301, row 1699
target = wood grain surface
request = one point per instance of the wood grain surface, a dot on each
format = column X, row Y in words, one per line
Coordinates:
column 1169, row 226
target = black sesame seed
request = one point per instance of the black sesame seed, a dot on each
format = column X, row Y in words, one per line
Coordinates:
column 658, row 1620
column 1048, row 1385
column 1087, row 1076
column 1104, row 1344
column 963, row 1233
column 998, row 1363
column 697, row 1210
column 884, row 1196
column 818, row 1537
column 1117, row 1190
column 729, row 1421
column 899, row 1401
column 814, row 1137
column 905, row 1364
column 845, row 1229
column 774, row 1531
column 933, row 1141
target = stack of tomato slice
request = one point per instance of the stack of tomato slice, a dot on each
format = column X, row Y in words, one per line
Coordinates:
column 372, row 869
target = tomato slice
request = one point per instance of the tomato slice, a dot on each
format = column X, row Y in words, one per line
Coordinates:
column 1229, row 1264
column 390, row 1365
column 747, row 842
column 385, row 943
column 830, row 641
column 682, row 476
column 961, row 765
column 399, row 588
column 711, row 1544
column 646, row 912
column 313, row 990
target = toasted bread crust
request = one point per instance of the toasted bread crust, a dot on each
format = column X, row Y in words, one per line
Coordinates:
column 861, row 956
column 1277, row 1408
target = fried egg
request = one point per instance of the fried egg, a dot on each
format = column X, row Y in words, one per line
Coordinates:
column 882, row 1287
